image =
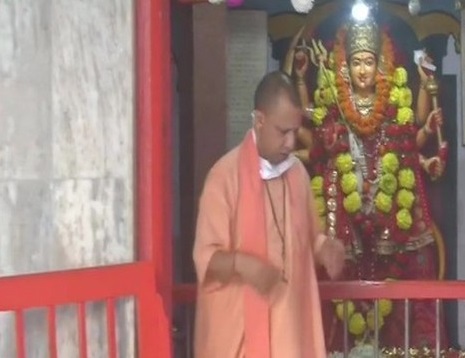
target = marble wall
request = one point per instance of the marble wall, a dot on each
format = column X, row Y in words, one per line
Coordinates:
column 66, row 144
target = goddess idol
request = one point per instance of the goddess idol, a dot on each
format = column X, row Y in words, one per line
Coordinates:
column 362, row 144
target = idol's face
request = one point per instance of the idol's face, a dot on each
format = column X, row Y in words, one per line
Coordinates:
column 362, row 67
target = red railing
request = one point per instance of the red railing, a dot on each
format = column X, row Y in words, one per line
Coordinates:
column 366, row 290
column 79, row 287
column 186, row 293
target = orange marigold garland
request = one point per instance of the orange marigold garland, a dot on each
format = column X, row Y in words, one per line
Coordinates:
column 368, row 125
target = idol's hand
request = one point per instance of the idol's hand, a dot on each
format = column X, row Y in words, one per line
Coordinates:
column 301, row 64
column 332, row 256
column 434, row 166
column 434, row 121
column 318, row 53
column 303, row 155
column 256, row 272
column 422, row 71
column 330, row 135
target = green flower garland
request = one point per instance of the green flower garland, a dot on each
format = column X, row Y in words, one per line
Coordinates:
column 396, row 184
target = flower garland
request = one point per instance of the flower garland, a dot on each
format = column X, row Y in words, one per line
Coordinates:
column 390, row 181
column 368, row 351
column 392, row 108
column 361, row 320
column 395, row 188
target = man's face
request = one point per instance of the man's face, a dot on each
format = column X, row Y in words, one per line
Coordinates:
column 276, row 130
column 363, row 68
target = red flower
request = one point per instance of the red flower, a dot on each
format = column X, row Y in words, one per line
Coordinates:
column 343, row 147
column 409, row 161
column 389, row 147
column 358, row 218
column 318, row 167
column 391, row 111
column 412, row 130
column 407, row 146
column 401, row 258
column 317, row 152
column 393, row 130
column 333, row 113
column 383, row 220
column 368, row 228
column 341, row 128
column 399, row 237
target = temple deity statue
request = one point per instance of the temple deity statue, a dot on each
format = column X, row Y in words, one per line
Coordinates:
column 363, row 142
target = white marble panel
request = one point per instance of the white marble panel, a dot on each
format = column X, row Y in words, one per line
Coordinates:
column 25, row 89
column 68, row 335
column 125, row 334
column 92, row 88
column 67, row 332
column 7, row 335
column 92, row 224
column 97, row 329
column 36, row 333
column 25, row 227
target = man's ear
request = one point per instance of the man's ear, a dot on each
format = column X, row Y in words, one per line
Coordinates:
column 258, row 118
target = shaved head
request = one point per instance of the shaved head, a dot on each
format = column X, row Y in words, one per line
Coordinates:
column 277, row 116
column 271, row 87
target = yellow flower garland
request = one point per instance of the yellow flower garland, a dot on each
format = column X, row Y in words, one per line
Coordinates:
column 359, row 324
column 395, row 184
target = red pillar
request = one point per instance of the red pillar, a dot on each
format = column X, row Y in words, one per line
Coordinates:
column 153, row 150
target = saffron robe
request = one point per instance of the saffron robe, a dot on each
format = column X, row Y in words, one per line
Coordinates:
column 296, row 329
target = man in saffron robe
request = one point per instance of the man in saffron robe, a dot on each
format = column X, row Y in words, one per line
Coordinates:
column 257, row 242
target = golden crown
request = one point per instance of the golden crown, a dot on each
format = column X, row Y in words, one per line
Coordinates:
column 363, row 36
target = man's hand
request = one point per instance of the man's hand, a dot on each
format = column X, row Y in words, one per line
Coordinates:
column 256, row 272
column 332, row 256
